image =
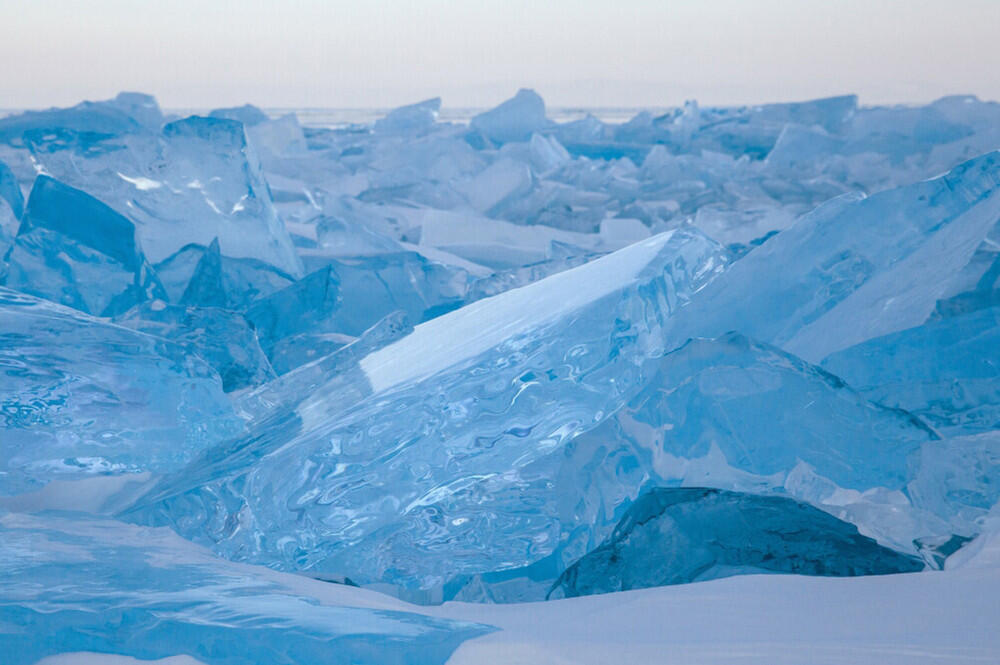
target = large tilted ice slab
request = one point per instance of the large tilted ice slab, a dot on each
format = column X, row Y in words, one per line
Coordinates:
column 196, row 180
column 680, row 535
column 766, row 410
column 854, row 269
column 416, row 465
column 82, row 397
column 683, row 261
column 75, row 584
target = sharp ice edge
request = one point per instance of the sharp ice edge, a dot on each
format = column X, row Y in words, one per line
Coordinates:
column 478, row 327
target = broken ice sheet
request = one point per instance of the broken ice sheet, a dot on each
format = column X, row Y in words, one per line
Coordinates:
column 736, row 414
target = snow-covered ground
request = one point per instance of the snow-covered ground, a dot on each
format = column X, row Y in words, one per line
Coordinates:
column 914, row 619
column 939, row 617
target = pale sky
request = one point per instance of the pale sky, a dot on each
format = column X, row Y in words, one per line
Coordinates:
column 367, row 53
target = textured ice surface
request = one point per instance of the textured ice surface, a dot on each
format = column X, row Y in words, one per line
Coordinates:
column 959, row 479
column 82, row 397
column 445, row 485
column 79, row 584
column 74, row 250
column 679, row 535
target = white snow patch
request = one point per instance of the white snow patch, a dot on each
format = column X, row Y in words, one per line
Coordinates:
column 474, row 329
column 91, row 658
column 914, row 619
column 141, row 183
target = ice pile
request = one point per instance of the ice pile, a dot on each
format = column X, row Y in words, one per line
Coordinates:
column 488, row 361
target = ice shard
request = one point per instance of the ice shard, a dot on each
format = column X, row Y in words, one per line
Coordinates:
column 202, row 276
column 10, row 190
column 411, row 119
column 74, row 250
column 414, row 465
column 854, row 269
column 222, row 338
column 679, row 535
column 82, row 397
column 515, row 119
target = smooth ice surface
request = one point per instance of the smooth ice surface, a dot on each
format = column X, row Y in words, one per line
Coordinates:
column 916, row 619
column 246, row 608
column 394, row 499
column 485, row 324
column 82, row 397
column 679, row 535
column 944, row 371
column 96, row 585
column 515, row 119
